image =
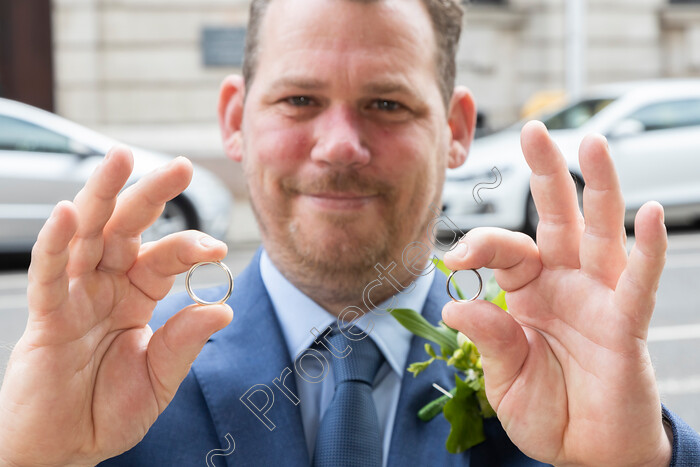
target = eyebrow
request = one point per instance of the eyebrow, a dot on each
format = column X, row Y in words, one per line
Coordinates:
column 310, row 84
column 299, row 82
column 386, row 87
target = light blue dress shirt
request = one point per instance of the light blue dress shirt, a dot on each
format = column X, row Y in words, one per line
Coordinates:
column 299, row 314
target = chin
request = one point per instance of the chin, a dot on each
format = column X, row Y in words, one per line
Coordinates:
column 342, row 247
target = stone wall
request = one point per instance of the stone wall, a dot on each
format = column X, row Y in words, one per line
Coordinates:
column 133, row 69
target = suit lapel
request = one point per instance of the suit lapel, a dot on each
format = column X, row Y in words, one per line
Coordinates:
column 413, row 441
column 249, row 351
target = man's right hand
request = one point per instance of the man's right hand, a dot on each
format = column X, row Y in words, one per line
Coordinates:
column 88, row 377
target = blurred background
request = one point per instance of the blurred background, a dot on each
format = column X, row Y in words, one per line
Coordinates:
column 147, row 73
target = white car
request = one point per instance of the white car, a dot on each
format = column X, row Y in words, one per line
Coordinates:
column 652, row 127
column 45, row 158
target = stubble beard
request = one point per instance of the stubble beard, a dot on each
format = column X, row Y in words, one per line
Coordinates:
column 338, row 269
column 334, row 271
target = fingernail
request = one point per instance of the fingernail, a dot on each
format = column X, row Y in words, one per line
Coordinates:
column 663, row 213
column 458, row 252
column 177, row 160
column 209, row 242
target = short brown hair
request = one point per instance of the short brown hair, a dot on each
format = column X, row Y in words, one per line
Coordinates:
column 445, row 15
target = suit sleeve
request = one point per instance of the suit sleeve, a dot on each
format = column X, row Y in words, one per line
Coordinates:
column 686, row 441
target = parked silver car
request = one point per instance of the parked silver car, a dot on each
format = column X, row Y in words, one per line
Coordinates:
column 45, row 158
column 652, row 127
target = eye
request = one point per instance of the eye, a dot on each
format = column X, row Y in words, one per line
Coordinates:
column 299, row 101
column 387, row 105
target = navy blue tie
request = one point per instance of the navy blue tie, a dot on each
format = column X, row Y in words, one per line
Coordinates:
column 349, row 431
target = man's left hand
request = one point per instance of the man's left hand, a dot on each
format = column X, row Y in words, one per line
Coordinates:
column 567, row 368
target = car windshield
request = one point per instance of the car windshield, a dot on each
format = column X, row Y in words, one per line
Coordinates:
column 575, row 115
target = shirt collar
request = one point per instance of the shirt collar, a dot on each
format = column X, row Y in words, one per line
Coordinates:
column 298, row 315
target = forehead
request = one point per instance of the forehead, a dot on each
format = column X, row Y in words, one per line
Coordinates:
column 346, row 39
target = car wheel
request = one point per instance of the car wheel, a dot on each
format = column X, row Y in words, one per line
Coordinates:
column 177, row 216
column 532, row 218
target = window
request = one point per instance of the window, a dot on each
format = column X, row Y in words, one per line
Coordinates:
column 666, row 115
column 18, row 135
column 576, row 115
column 223, row 46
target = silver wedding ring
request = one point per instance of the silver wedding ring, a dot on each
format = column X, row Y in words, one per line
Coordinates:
column 481, row 284
column 204, row 302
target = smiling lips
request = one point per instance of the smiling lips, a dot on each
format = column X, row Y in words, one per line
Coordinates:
column 340, row 200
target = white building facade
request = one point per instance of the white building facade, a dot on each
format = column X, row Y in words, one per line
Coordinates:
column 141, row 70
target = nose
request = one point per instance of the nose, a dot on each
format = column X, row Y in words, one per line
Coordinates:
column 339, row 139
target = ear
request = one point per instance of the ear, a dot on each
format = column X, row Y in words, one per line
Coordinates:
column 462, row 121
column 231, row 97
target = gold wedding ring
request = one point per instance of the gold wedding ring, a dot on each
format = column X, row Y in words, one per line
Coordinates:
column 204, row 302
column 481, row 284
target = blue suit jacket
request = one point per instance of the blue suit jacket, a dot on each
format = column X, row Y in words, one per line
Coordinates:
column 207, row 413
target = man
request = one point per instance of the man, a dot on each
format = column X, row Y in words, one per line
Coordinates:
column 345, row 123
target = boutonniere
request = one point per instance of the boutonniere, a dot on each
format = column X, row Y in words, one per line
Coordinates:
column 465, row 405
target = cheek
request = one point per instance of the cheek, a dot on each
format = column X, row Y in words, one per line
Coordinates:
column 408, row 159
column 282, row 144
column 276, row 151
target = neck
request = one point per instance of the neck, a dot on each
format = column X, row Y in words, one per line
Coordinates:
column 338, row 288
column 381, row 290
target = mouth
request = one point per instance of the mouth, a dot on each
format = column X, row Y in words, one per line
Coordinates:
column 340, row 200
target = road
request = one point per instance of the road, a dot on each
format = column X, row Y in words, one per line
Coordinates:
column 674, row 337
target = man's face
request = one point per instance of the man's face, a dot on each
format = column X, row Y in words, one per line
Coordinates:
column 345, row 138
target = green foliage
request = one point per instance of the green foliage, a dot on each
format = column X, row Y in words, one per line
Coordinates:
column 467, row 425
column 491, row 289
column 414, row 322
column 486, row 409
column 494, row 294
column 432, row 408
column 417, row 367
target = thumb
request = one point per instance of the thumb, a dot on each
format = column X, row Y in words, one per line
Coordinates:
column 498, row 337
column 176, row 344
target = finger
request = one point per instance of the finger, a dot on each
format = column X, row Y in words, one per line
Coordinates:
column 95, row 203
column 499, row 338
column 554, row 193
column 137, row 208
column 48, row 279
column 635, row 294
column 159, row 262
column 603, row 250
column 176, row 344
column 513, row 255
